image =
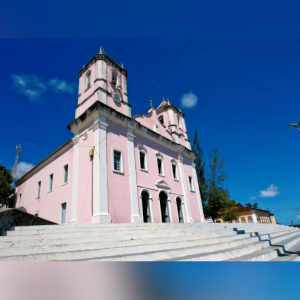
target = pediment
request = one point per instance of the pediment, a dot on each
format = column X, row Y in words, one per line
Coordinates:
column 163, row 184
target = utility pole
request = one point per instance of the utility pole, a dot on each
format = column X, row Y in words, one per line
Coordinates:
column 14, row 173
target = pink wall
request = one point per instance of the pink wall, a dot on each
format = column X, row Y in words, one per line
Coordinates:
column 118, row 183
column 49, row 204
column 85, row 176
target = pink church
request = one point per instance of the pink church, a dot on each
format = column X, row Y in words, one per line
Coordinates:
column 117, row 168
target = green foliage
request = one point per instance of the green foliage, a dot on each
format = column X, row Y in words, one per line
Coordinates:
column 6, row 191
column 200, row 168
column 230, row 216
column 251, row 205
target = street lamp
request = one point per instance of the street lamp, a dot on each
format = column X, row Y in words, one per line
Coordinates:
column 295, row 125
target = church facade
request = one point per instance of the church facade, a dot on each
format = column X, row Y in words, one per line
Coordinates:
column 117, row 168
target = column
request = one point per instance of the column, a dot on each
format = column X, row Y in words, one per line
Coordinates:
column 253, row 215
column 135, row 217
column 100, row 187
column 74, row 180
column 185, row 190
column 198, row 194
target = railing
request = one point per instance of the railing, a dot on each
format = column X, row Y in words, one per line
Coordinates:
column 11, row 217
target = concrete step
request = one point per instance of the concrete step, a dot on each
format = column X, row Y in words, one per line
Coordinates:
column 291, row 257
column 181, row 241
column 264, row 235
column 175, row 248
column 109, row 234
column 273, row 251
column 92, row 237
column 181, row 254
column 110, row 229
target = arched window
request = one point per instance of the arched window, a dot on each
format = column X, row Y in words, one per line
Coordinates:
column 237, row 221
column 243, row 220
column 114, row 77
column 250, row 219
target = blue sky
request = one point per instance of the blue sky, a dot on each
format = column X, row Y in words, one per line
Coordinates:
column 245, row 93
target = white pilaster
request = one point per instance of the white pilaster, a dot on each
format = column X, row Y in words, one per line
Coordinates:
column 185, row 190
column 135, row 217
column 74, row 180
column 253, row 215
column 198, row 194
column 100, row 188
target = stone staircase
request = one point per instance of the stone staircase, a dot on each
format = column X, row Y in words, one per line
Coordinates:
column 151, row 242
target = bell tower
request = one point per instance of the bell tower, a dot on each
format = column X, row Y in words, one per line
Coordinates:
column 104, row 80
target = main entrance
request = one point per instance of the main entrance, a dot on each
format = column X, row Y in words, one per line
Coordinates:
column 146, row 207
column 163, row 199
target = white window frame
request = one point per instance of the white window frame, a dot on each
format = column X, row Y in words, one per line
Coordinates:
column 191, row 184
column 60, row 212
column 121, row 161
column 145, row 161
column 88, row 75
column 162, row 166
column 63, row 174
column 49, row 185
column 19, row 200
column 39, row 188
column 176, row 172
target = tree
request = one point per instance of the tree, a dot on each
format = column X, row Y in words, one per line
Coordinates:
column 6, row 191
column 230, row 216
column 251, row 205
column 200, row 168
column 218, row 197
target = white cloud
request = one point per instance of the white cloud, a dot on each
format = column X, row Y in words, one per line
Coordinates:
column 30, row 86
column 189, row 100
column 23, row 168
column 61, row 85
column 271, row 191
column 252, row 198
column 297, row 221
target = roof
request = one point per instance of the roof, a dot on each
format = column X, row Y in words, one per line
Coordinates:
column 34, row 168
column 241, row 209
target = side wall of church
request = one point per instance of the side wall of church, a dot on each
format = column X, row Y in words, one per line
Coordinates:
column 48, row 205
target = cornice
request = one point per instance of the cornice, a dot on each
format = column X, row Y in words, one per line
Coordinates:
column 98, row 107
column 168, row 106
column 104, row 57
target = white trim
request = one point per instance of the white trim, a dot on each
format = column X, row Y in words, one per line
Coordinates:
column 135, row 217
column 100, row 186
column 198, row 194
column 75, row 180
column 185, row 190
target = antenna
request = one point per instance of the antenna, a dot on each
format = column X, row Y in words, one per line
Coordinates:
column 14, row 173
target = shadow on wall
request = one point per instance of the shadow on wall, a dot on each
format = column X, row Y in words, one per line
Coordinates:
column 10, row 217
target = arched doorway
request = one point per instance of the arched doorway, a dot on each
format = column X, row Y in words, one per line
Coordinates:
column 165, row 217
column 179, row 210
column 146, row 207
